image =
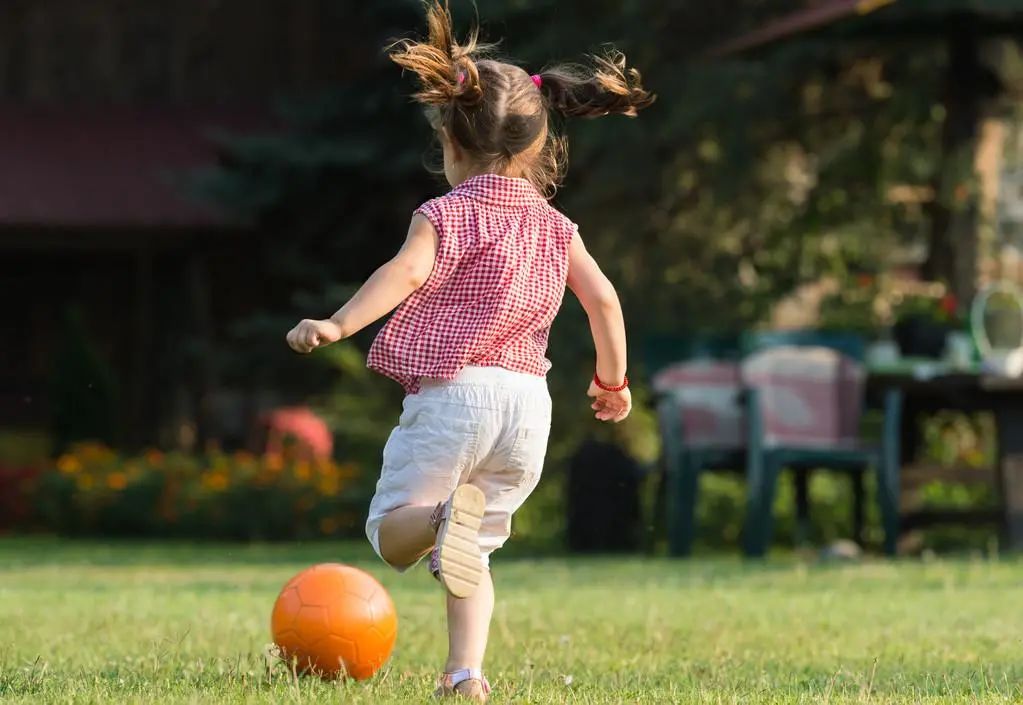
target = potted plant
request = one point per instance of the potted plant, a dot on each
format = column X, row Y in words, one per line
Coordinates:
column 922, row 324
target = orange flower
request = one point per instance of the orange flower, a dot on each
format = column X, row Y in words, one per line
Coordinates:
column 117, row 481
column 215, row 481
column 154, row 457
column 274, row 462
column 94, row 452
column 302, row 470
column 68, row 464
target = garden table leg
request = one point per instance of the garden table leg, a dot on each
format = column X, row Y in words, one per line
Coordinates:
column 1009, row 421
column 909, row 429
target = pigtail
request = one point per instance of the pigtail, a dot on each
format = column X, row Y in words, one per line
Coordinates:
column 499, row 115
column 604, row 88
column 446, row 71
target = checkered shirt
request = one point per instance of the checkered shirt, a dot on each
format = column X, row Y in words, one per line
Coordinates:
column 497, row 283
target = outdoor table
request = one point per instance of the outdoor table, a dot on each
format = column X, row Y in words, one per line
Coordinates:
column 934, row 387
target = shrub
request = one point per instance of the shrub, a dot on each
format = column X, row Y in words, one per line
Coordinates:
column 92, row 490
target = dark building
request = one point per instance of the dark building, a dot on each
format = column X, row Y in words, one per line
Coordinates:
column 107, row 264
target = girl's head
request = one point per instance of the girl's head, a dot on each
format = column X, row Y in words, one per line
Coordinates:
column 494, row 117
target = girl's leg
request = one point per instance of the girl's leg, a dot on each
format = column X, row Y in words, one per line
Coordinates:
column 406, row 535
column 469, row 626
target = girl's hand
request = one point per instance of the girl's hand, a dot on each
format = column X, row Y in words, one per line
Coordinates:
column 610, row 406
column 309, row 335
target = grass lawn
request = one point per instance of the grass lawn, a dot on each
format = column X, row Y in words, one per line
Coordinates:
column 125, row 623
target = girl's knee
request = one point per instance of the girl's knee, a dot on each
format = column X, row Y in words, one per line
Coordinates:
column 396, row 562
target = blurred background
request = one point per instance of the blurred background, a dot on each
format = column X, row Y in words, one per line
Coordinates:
column 181, row 182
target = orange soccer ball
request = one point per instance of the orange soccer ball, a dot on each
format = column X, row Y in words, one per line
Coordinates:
column 335, row 621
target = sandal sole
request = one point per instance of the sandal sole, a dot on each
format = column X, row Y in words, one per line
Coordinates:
column 458, row 546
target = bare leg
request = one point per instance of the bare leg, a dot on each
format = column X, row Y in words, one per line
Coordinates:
column 469, row 625
column 406, row 535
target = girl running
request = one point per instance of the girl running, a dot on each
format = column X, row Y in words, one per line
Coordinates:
column 477, row 284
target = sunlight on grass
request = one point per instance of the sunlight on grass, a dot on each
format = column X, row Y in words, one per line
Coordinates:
column 89, row 622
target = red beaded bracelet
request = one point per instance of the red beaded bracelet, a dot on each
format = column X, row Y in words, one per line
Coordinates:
column 596, row 381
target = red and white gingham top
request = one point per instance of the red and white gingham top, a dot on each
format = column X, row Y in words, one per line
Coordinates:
column 497, row 284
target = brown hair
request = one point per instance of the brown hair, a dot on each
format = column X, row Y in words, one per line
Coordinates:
column 494, row 110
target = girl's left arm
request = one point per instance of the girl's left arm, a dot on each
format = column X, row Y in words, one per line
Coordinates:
column 391, row 284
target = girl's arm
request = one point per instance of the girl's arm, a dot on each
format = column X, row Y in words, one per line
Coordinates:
column 391, row 284
column 607, row 324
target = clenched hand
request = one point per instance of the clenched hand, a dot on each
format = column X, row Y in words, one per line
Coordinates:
column 309, row 335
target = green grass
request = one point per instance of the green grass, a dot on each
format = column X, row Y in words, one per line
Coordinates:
column 86, row 622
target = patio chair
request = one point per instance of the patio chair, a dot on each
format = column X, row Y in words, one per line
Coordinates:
column 849, row 344
column 803, row 410
column 700, row 417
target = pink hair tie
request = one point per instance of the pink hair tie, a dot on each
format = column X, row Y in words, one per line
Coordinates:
column 461, row 77
column 537, row 79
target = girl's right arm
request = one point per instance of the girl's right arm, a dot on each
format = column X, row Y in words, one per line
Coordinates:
column 391, row 284
column 607, row 324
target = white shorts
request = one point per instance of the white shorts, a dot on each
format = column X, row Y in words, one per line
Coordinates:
column 488, row 427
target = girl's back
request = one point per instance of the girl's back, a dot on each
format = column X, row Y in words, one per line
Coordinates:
column 497, row 283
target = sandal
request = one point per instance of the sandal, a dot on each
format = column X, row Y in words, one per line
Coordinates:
column 468, row 683
column 456, row 559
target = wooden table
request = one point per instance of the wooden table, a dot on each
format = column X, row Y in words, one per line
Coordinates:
column 969, row 393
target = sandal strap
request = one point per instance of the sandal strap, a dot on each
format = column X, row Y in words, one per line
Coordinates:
column 440, row 513
column 435, row 563
column 451, row 680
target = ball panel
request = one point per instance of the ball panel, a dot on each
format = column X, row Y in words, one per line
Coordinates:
column 373, row 648
column 385, row 615
column 290, row 642
column 350, row 617
column 312, row 622
column 321, row 587
column 336, row 655
column 285, row 609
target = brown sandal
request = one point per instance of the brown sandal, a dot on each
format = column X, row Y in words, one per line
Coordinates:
column 468, row 683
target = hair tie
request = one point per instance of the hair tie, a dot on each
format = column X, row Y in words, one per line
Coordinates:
column 537, row 79
column 461, row 77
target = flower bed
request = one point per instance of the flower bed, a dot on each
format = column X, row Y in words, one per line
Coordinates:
column 92, row 490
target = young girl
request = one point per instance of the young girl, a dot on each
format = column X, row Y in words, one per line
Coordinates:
column 477, row 285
